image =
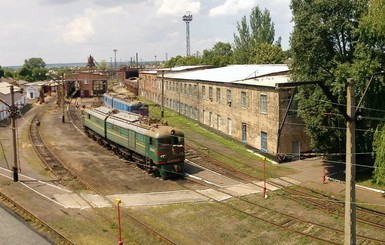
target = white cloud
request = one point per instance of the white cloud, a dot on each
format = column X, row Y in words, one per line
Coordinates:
column 82, row 28
column 79, row 30
column 73, row 29
column 172, row 7
column 232, row 7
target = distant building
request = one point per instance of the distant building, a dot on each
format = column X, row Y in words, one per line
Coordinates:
column 85, row 84
column 238, row 101
column 32, row 90
column 5, row 99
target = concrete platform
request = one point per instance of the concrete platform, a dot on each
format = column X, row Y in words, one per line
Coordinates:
column 208, row 176
column 72, row 200
column 96, row 201
column 269, row 186
column 159, row 198
column 290, row 180
column 242, row 189
column 281, row 182
column 214, row 194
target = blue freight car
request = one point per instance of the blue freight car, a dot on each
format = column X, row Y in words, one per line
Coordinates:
column 125, row 103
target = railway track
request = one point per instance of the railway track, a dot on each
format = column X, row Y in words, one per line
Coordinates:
column 74, row 114
column 331, row 205
column 58, row 170
column 295, row 224
column 304, row 196
column 197, row 156
column 38, row 224
column 291, row 223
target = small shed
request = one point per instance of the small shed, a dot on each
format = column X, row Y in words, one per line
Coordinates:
column 33, row 91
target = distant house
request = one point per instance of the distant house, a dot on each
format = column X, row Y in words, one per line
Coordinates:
column 5, row 99
column 33, row 90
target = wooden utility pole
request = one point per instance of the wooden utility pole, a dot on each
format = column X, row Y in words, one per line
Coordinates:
column 63, row 98
column 13, row 115
column 350, row 181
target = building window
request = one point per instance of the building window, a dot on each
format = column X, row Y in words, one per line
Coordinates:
column 229, row 126
column 264, row 141
column 264, row 103
column 195, row 91
column 293, row 108
column 195, row 113
column 218, row 122
column 211, row 119
column 185, row 89
column 228, row 96
column 244, row 133
column 218, row 95
column 203, row 92
column 189, row 90
column 243, row 100
column 211, row 93
column 203, row 117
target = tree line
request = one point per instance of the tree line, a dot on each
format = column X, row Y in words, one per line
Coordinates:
column 253, row 44
column 332, row 41
column 33, row 69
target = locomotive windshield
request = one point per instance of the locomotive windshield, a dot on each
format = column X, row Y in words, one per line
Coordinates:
column 171, row 141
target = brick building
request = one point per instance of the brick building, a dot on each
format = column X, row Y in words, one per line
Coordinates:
column 239, row 101
column 85, row 84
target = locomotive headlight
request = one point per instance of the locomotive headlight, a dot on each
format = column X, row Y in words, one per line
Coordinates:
column 180, row 153
column 162, row 156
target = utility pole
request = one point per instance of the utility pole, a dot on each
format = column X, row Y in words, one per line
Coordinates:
column 63, row 96
column 350, row 186
column 162, row 110
column 13, row 114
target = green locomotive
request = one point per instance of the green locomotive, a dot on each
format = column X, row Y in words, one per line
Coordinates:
column 156, row 147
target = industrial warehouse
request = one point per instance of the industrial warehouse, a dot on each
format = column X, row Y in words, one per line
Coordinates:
column 238, row 101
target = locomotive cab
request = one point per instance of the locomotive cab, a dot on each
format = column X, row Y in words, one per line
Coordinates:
column 169, row 153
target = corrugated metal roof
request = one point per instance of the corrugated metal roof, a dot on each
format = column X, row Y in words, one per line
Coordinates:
column 236, row 74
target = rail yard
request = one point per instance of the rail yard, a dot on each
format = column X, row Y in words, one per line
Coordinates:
column 69, row 184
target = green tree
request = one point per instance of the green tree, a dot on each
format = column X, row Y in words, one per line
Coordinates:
column 323, row 48
column 33, row 69
column 1, row 72
column 183, row 61
column 9, row 73
column 379, row 147
column 103, row 65
column 242, row 44
column 259, row 31
column 265, row 53
column 220, row 55
column 25, row 73
column 370, row 56
column 34, row 63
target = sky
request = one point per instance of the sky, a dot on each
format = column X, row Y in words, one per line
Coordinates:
column 68, row 31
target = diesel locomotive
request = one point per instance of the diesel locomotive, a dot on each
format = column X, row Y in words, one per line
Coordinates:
column 125, row 103
column 157, row 147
